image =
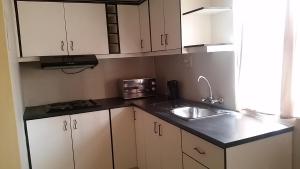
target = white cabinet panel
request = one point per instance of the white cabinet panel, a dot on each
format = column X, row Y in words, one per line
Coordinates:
column 129, row 28
column 123, row 136
column 50, row 143
column 145, row 27
column 157, row 24
column 172, row 24
column 42, row 28
column 189, row 163
column 163, row 144
column 170, row 142
column 153, row 152
column 92, row 140
column 86, row 28
column 196, row 29
column 203, row 151
column 140, row 138
column 270, row 153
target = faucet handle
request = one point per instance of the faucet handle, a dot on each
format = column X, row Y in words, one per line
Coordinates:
column 219, row 100
column 203, row 99
column 209, row 100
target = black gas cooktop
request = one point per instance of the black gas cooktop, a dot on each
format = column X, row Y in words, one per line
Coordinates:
column 72, row 105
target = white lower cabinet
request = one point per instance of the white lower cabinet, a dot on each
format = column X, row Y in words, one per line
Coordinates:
column 161, row 143
column 50, row 143
column 140, row 138
column 123, row 136
column 92, row 140
column 189, row 163
column 270, row 153
column 80, row 141
column 203, row 151
column 142, row 141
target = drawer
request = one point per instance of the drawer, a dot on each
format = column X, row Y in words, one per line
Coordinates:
column 203, row 151
column 189, row 163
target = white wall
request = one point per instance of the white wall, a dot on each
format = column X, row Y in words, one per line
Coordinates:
column 13, row 54
column 217, row 67
column 49, row 86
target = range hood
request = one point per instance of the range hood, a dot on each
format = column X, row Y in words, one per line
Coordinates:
column 68, row 62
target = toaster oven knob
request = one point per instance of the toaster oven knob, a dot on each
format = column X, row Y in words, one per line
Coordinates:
column 153, row 88
column 153, row 82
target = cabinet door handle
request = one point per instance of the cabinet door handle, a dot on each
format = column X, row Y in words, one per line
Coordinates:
column 142, row 45
column 72, row 45
column 161, row 40
column 75, row 124
column 199, row 151
column 166, row 39
column 65, row 124
column 155, row 127
column 159, row 130
column 62, row 45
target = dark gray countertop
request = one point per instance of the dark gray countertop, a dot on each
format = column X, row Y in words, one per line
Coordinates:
column 225, row 131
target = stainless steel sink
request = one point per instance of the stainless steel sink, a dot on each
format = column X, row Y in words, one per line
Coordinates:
column 192, row 113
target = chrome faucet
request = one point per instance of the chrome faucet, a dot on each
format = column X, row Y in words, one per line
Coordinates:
column 210, row 99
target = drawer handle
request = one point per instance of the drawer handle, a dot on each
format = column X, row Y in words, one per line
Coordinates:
column 65, row 124
column 75, row 124
column 155, row 127
column 159, row 130
column 62, row 45
column 72, row 45
column 161, row 40
column 166, row 39
column 199, row 151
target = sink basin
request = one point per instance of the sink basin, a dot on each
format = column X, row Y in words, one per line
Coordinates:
column 192, row 113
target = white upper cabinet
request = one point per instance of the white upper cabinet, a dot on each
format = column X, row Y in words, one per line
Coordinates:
column 56, row 28
column 145, row 27
column 172, row 24
column 165, row 24
column 50, row 143
column 42, row 28
column 129, row 28
column 157, row 24
column 92, row 140
column 86, row 28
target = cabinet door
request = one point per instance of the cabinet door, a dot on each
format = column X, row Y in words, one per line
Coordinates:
column 170, row 146
column 42, row 28
column 145, row 27
column 172, row 24
column 140, row 138
column 86, row 28
column 190, row 163
column 152, row 142
column 157, row 24
column 50, row 143
column 129, row 28
column 92, row 140
column 123, row 136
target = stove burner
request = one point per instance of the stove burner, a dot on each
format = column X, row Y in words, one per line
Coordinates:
column 73, row 105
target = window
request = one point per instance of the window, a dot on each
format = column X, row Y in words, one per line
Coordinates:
column 261, row 55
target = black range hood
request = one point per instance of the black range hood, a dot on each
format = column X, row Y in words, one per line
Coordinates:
column 68, row 62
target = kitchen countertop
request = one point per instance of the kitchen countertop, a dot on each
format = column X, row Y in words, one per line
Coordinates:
column 225, row 130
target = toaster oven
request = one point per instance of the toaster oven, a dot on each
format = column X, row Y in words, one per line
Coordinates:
column 138, row 88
